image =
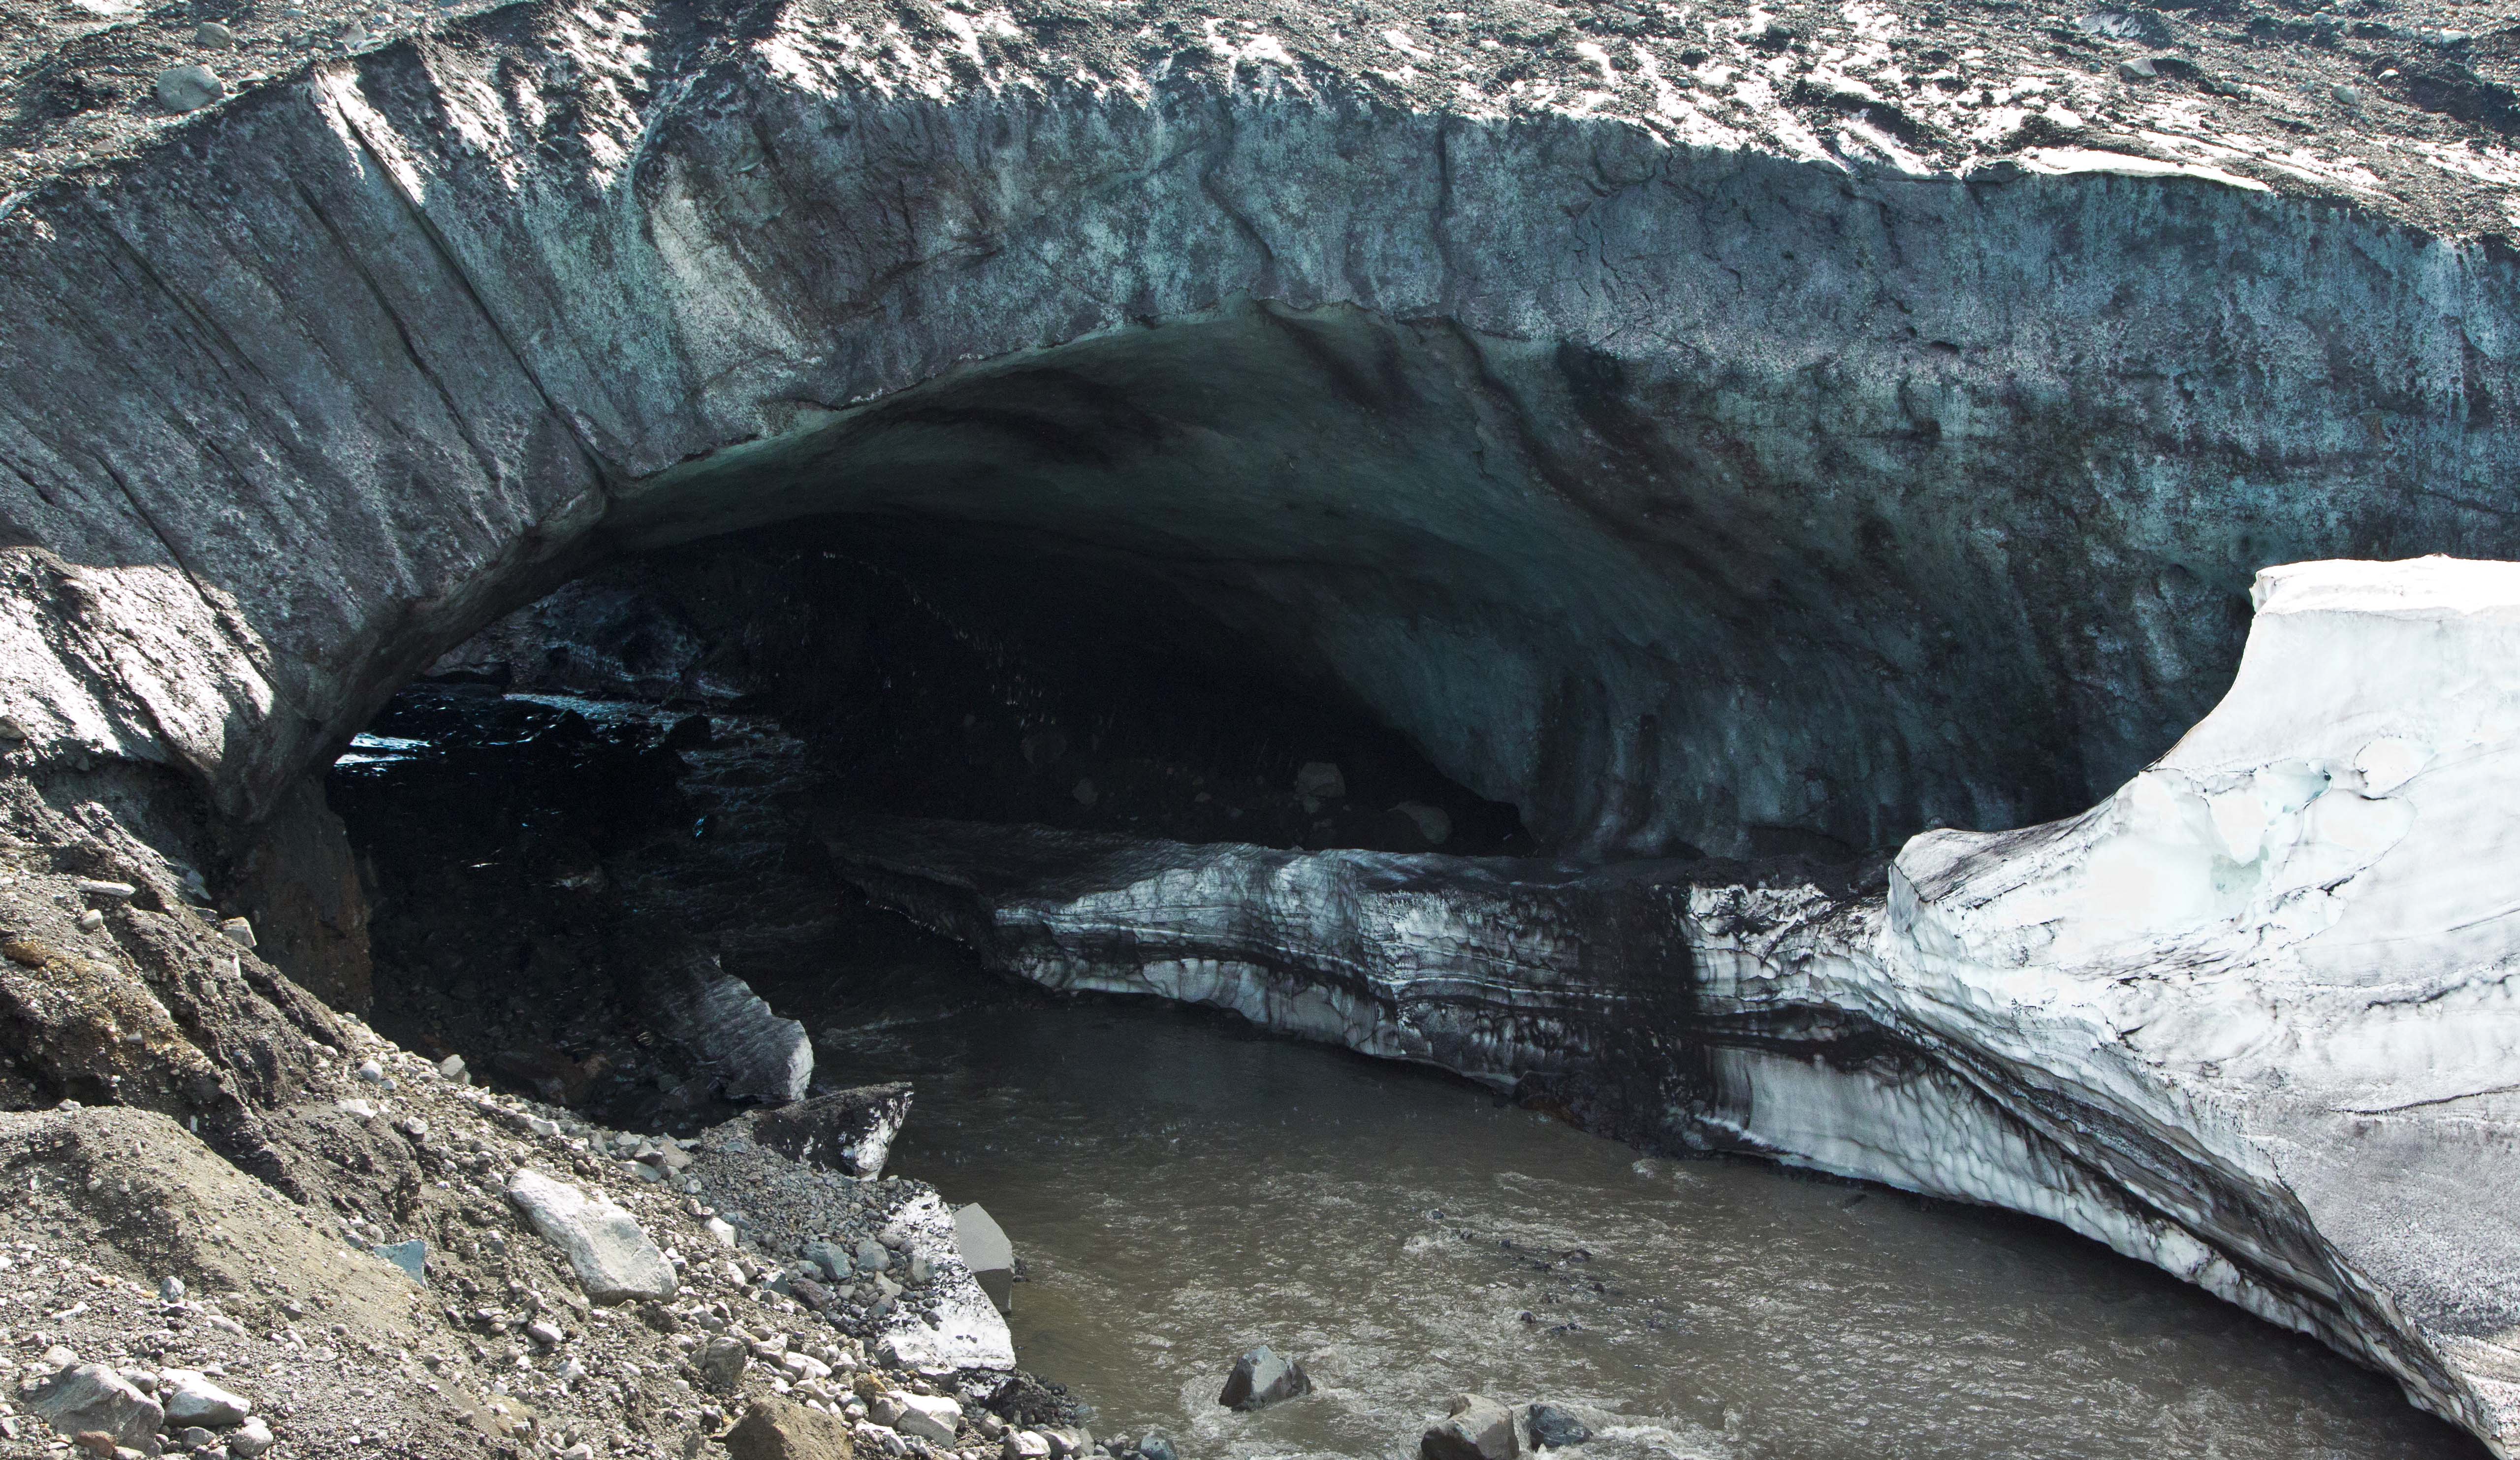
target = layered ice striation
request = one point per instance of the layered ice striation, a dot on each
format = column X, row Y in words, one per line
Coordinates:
column 2252, row 1019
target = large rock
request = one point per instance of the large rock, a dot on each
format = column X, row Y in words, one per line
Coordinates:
column 605, row 1246
column 984, row 1247
column 1478, row 1429
column 1262, row 1377
column 748, row 1048
column 776, row 1429
column 851, row 1131
column 2246, row 1019
column 92, row 1397
column 962, row 1329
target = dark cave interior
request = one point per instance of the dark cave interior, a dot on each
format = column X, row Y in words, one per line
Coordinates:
column 625, row 773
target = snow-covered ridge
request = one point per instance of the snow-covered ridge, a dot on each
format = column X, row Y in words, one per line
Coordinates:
column 2250, row 1020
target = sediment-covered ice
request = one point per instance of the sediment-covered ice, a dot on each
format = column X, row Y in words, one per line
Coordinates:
column 2252, row 1019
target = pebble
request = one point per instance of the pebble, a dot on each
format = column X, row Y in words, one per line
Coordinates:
column 170, row 1289
column 370, row 1072
column 214, row 35
column 249, row 1439
column 90, row 921
column 544, row 1332
column 238, row 930
column 118, row 892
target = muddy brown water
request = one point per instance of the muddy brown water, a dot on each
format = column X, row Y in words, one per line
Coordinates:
column 1179, row 1188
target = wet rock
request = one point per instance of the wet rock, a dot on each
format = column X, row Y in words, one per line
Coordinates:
column 851, row 1131
column 1479, row 1429
column 1551, row 1424
column 190, row 1398
column 92, row 1397
column 605, row 1246
column 1261, row 1378
column 1155, row 1446
column 189, row 88
column 984, row 1249
column 776, row 1429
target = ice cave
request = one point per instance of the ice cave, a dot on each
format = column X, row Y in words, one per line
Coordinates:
column 1113, row 728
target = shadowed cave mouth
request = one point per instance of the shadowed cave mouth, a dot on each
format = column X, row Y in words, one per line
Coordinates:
column 622, row 781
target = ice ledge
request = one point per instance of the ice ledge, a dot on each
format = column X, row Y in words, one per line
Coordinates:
column 2255, row 1019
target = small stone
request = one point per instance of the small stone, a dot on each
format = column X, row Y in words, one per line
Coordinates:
column 239, row 931
column 371, row 1072
column 1262, row 1378
column 1025, row 1444
column 1155, row 1446
column 11, row 729
column 452, row 1067
column 720, row 1231
column 111, row 891
column 2347, row 95
column 2139, row 68
column 917, row 1273
column 1479, row 1429
column 189, row 88
column 95, row 1441
column 1085, row 793
column 249, row 1439
column 193, row 1399
column 872, row 1257
column 723, row 1362
column 213, row 34
column 542, row 1331
column 1552, row 1426
column 194, row 1438
column 170, row 1289
column 90, row 921
column 1318, row 781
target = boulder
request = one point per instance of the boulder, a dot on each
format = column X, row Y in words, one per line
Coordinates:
column 1261, row 1378
column 1478, row 1429
column 93, row 1398
column 776, row 1429
column 605, row 1246
column 1554, row 1426
column 986, row 1249
column 851, row 1131
column 747, row 1047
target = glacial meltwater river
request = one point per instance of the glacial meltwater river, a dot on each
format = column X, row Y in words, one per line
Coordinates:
column 1179, row 1189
